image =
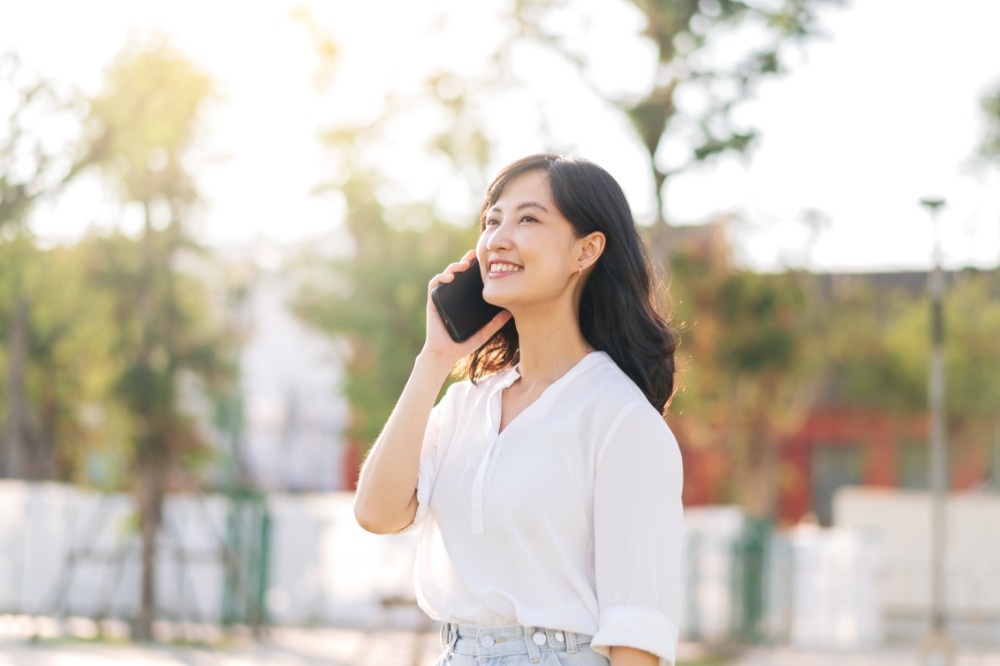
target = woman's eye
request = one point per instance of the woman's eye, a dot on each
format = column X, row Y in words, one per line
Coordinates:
column 528, row 218
column 492, row 223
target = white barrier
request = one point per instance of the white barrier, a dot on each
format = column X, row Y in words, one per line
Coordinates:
column 834, row 601
column 709, row 612
column 69, row 551
column 900, row 522
column 65, row 550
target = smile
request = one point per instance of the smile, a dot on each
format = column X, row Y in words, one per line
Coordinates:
column 500, row 267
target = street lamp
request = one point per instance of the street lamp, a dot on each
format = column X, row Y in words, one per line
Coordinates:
column 937, row 648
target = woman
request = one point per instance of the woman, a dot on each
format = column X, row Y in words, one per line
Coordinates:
column 547, row 486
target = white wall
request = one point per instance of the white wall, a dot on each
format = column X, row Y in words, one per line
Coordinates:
column 45, row 526
column 830, row 594
column 323, row 567
column 900, row 523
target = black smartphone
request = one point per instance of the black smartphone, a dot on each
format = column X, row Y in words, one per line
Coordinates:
column 460, row 304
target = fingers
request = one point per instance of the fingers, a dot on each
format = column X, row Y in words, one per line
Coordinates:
column 487, row 332
column 449, row 272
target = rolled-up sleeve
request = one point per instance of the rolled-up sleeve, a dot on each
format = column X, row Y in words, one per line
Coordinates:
column 426, row 471
column 638, row 535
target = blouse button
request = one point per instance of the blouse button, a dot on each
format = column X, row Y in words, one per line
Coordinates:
column 539, row 638
column 560, row 637
column 487, row 640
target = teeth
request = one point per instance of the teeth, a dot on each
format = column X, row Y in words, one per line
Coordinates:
column 504, row 268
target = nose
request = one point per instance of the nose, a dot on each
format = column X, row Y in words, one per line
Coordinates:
column 498, row 238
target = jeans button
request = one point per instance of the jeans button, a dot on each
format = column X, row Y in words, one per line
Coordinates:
column 539, row 638
column 486, row 640
column 560, row 637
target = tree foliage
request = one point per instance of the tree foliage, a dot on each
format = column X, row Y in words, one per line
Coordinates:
column 37, row 160
column 37, row 154
column 61, row 375
column 710, row 56
column 746, row 375
column 374, row 298
column 990, row 104
column 147, row 120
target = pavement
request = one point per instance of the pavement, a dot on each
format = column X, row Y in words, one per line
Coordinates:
column 383, row 647
column 785, row 656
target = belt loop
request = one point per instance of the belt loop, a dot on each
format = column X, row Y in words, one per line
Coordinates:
column 571, row 646
column 449, row 637
column 534, row 654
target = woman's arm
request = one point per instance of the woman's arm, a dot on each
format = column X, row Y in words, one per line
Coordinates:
column 637, row 502
column 386, row 500
column 625, row 656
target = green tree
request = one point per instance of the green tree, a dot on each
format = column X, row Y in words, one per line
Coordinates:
column 37, row 155
column 876, row 344
column 147, row 117
column 68, row 358
column 747, row 370
column 373, row 299
column 37, row 160
column 878, row 362
column 687, row 39
column 990, row 151
column 990, row 104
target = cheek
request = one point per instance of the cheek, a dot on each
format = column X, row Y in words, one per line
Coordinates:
column 481, row 250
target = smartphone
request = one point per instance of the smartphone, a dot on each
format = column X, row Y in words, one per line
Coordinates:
column 460, row 304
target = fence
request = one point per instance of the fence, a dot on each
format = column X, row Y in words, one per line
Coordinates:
column 302, row 560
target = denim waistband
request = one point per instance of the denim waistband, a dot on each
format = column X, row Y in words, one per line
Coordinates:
column 511, row 640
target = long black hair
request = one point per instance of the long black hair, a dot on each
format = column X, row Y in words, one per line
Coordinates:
column 618, row 310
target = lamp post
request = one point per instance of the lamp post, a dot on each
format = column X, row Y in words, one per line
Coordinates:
column 937, row 648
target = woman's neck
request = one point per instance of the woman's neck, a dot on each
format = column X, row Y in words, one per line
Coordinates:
column 549, row 346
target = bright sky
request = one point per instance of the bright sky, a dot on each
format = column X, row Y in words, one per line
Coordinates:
column 882, row 112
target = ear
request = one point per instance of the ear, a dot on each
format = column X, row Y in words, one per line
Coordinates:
column 591, row 247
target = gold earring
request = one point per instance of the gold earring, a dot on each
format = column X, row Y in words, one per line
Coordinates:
column 579, row 271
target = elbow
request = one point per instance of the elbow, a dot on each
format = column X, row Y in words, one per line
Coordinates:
column 365, row 517
column 372, row 520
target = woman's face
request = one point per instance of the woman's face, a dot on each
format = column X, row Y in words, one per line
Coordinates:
column 528, row 252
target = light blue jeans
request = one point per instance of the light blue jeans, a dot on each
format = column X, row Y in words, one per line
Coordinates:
column 515, row 646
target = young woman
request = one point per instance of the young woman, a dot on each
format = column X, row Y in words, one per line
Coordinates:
column 547, row 487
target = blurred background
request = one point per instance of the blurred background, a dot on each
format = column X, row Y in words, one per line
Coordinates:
column 217, row 221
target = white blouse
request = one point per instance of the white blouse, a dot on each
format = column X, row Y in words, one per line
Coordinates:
column 569, row 519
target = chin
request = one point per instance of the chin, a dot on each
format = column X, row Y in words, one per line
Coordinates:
column 496, row 299
column 492, row 300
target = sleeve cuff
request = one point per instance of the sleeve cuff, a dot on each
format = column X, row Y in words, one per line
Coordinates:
column 423, row 496
column 423, row 501
column 640, row 628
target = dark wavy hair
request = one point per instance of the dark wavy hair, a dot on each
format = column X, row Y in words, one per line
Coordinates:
column 618, row 311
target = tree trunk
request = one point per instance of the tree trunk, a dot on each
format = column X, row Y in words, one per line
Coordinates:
column 149, row 455
column 22, row 455
column 150, row 493
column 759, row 476
column 760, row 498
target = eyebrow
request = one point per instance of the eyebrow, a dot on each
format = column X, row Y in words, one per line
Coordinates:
column 522, row 206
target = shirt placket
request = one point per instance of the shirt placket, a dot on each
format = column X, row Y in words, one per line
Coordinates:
column 478, row 499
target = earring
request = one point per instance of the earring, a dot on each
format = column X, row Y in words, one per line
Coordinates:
column 579, row 272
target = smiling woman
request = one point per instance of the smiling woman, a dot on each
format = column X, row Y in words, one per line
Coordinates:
column 547, row 488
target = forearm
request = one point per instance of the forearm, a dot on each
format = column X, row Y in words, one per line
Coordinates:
column 624, row 656
column 386, row 497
